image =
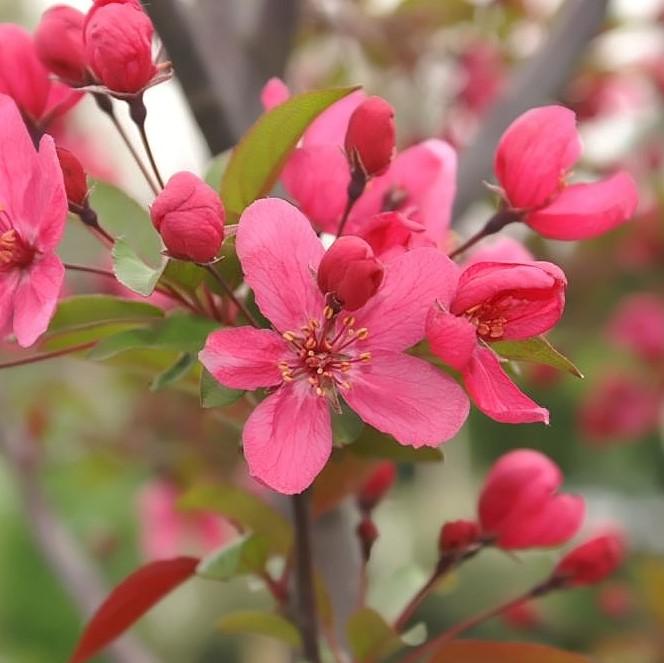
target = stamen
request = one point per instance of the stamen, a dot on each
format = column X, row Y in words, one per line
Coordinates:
column 362, row 334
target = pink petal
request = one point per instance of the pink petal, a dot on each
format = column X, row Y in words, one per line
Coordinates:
column 288, row 439
column 396, row 316
column 390, row 234
column 451, row 338
column 496, row 395
column 582, row 211
column 407, row 398
column 160, row 525
column 244, row 357
column 61, row 98
column 317, row 178
column 329, row 128
column 9, row 281
column 274, row 92
column 638, row 325
column 534, row 154
column 280, row 252
column 503, row 249
column 426, row 173
column 531, row 297
column 36, row 298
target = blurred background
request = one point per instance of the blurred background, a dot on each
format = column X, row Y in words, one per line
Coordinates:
column 93, row 461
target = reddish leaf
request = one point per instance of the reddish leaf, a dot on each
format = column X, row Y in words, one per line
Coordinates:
column 469, row 651
column 130, row 600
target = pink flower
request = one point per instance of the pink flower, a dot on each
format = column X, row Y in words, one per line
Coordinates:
column 350, row 273
column 371, row 137
column 24, row 78
column 484, row 75
column 592, row 561
column 638, row 325
column 523, row 616
column 315, row 358
column 166, row 532
column 377, row 485
column 501, row 249
column 59, row 44
column 493, row 302
column 33, row 210
column 118, row 47
column 519, row 506
column 75, row 178
column 533, row 158
column 620, row 408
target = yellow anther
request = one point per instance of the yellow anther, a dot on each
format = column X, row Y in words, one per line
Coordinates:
column 319, row 391
column 289, row 336
column 319, row 371
column 365, row 356
column 310, row 343
column 328, row 312
column 362, row 334
column 311, row 353
column 348, row 321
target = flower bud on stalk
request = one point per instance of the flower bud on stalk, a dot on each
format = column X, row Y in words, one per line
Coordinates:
column 591, row 562
column 350, row 273
column 457, row 536
column 75, row 179
column 59, row 44
column 189, row 216
column 377, row 486
column 367, row 532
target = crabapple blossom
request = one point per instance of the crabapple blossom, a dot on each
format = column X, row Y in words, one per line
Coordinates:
column 314, row 358
column 189, row 216
column 75, row 179
column 350, row 273
column 534, row 156
column 638, row 325
column 496, row 301
column 520, row 506
column 33, row 210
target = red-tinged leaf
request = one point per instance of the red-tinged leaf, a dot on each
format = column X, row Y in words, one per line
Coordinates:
column 468, row 651
column 130, row 600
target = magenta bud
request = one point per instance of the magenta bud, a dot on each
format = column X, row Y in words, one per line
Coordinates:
column 189, row 216
column 371, row 137
column 592, row 561
column 350, row 272
column 75, row 179
column 378, row 484
column 458, row 535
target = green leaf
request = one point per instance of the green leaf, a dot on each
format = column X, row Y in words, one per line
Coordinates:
column 370, row 636
column 216, row 168
column 122, row 216
column 259, row 157
column 187, row 275
column 85, row 311
column 214, row 394
column 180, row 332
column 346, row 427
column 468, row 651
column 175, row 372
column 537, row 350
column 132, row 272
column 261, row 623
column 242, row 556
column 243, row 508
column 372, row 444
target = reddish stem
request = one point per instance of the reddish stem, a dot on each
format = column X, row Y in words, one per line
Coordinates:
column 48, row 355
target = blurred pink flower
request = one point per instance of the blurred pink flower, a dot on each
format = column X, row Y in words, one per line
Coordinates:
column 314, row 358
column 166, row 532
column 534, row 156
column 33, row 210
column 501, row 249
column 619, row 408
column 592, row 561
column 493, row 302
column 520, row 506
column 483, row 73
column 638, row 325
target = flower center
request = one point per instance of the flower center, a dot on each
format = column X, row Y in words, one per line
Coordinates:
column 14, row 251
column 324, row 353
column 488, row 320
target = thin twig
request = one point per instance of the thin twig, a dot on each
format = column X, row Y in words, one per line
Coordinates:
column 495, row 224
column 48, row 355
column 231, row 295
column 139, row 113
column 90, row 270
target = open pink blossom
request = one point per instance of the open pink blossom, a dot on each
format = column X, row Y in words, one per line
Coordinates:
column 314, row 357
column 25, row 79
column 494, row 302
column 534, row 156
column 638, row 325
column 520, row 506
column 167, row 532
column 33, row 210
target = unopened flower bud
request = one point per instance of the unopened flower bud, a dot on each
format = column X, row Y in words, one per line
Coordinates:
column 189, row 216
column 367, row 532
column 457, row 535
column 377, row 485
column 118, row 47
column 350, row 272
column 76, row 182
column 371, row 136
column 59, row 44
column 592, row 561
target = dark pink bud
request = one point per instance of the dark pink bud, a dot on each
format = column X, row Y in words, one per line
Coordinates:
column 351, row 272
column 520, row 506
column 59, row 43
column 457, row 535
column 592, row 561
column 189, row 216
column 76, row 182
column 377, row 485
column 118, row 47
column 367, row 532
column 371, row 136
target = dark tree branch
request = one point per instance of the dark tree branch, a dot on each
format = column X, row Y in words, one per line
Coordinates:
column 541, row 79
